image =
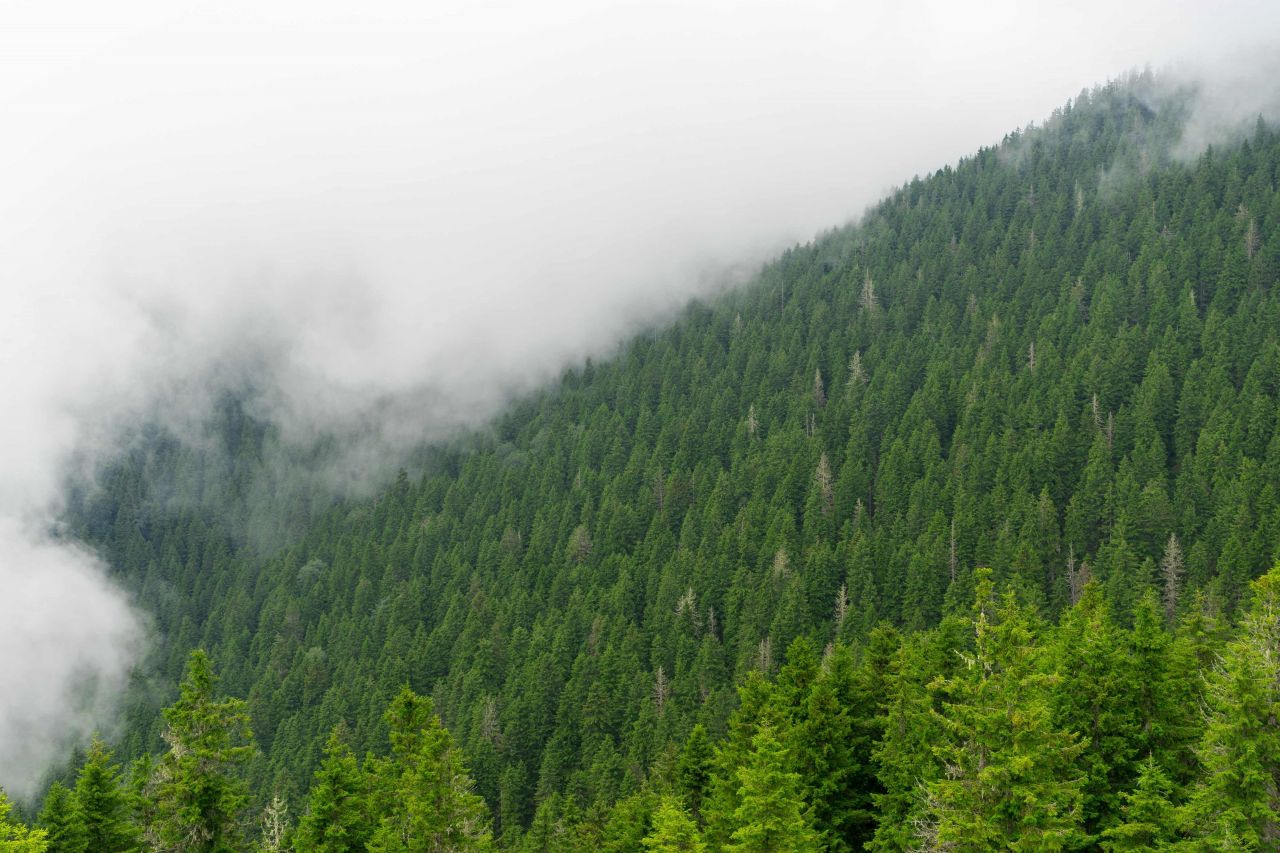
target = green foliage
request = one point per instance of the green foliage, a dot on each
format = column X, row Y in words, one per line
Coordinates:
column 14, row 836
column 196, row 790
column 771, row 814
column 63, row 826
column 1011, row 781
column 337, row 818
column 422, row 792
column 1236, row 799
column 1095, row 699
column 693, row 772
column 673, row 830
column 102, row 807
column 1149, row 819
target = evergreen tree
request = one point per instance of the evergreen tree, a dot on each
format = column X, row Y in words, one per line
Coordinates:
column 904, row 756
column 422, row 793
column 197, row 790
column 1238, row 797
column 16, row 838
column 1149, row 818
column 61, row 822
column 673, row 830
column 1011, row 781
column 693, row 771
column 822, row 743
column 771, row 815
column 1095, row 697
column 102, row 805
column 337, row 818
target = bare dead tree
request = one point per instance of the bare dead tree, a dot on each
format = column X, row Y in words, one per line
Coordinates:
column 1172, row 569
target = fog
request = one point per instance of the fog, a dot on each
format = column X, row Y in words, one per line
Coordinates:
column 391, row 219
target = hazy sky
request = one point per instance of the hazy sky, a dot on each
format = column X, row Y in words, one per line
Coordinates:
column 435, row 203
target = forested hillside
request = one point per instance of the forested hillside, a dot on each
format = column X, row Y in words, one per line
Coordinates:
column 646, row 600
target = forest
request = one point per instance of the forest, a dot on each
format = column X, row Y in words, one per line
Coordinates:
column 952, row 530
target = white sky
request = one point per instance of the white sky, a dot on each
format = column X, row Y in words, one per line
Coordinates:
column 461, row 196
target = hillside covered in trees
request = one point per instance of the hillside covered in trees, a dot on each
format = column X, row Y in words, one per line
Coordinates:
column 728, row 589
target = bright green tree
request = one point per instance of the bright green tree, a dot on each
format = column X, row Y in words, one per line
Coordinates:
column 422, row 794
column 196, row 789
column 1148, row 818
column 673, row 830
column 771, row 813
column 1238, row 797
column 60, row 821
column 102, row 804
column 16, row 838
column 337, row 818
column 1011, row 780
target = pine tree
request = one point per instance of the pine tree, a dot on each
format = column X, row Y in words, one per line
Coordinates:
column 1164, row 679
column 337, row 819
column 1010, row 780
column 904, row 756
column 422, row 792
column 673, row 830
column 16, row 838
column 693, row 770
column 62, row 825
column 771, row 814
column 1149, row 819
column 1095, row 697
column 102, row 805
column 822, row 744
column 1238, row 797
column 196, row 790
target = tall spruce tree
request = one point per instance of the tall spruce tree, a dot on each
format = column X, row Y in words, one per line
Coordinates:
column 1149, row 819
column 61, row 822
column 771, row 813
column 1238, row 797
column 1011, row 781
column 421, row 794
column 197, row 790
column 673, row 830
column 102, row 805
column 337, row 818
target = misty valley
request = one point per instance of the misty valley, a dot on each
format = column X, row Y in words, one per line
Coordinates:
column 955, row 528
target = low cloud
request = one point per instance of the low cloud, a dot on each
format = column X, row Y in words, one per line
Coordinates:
column 387, row 222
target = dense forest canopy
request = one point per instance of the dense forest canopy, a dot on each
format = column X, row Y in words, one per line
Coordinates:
column 728, row 590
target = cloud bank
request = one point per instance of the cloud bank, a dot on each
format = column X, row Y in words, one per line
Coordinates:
column 391, row 218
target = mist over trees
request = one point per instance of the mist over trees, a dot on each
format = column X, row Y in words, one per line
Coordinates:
column 952, row 530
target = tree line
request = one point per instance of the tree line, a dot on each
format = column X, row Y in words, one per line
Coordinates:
column 996, row 730
column 1059, row 358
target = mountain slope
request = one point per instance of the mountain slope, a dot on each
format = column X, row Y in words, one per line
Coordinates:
column 1047, row 359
